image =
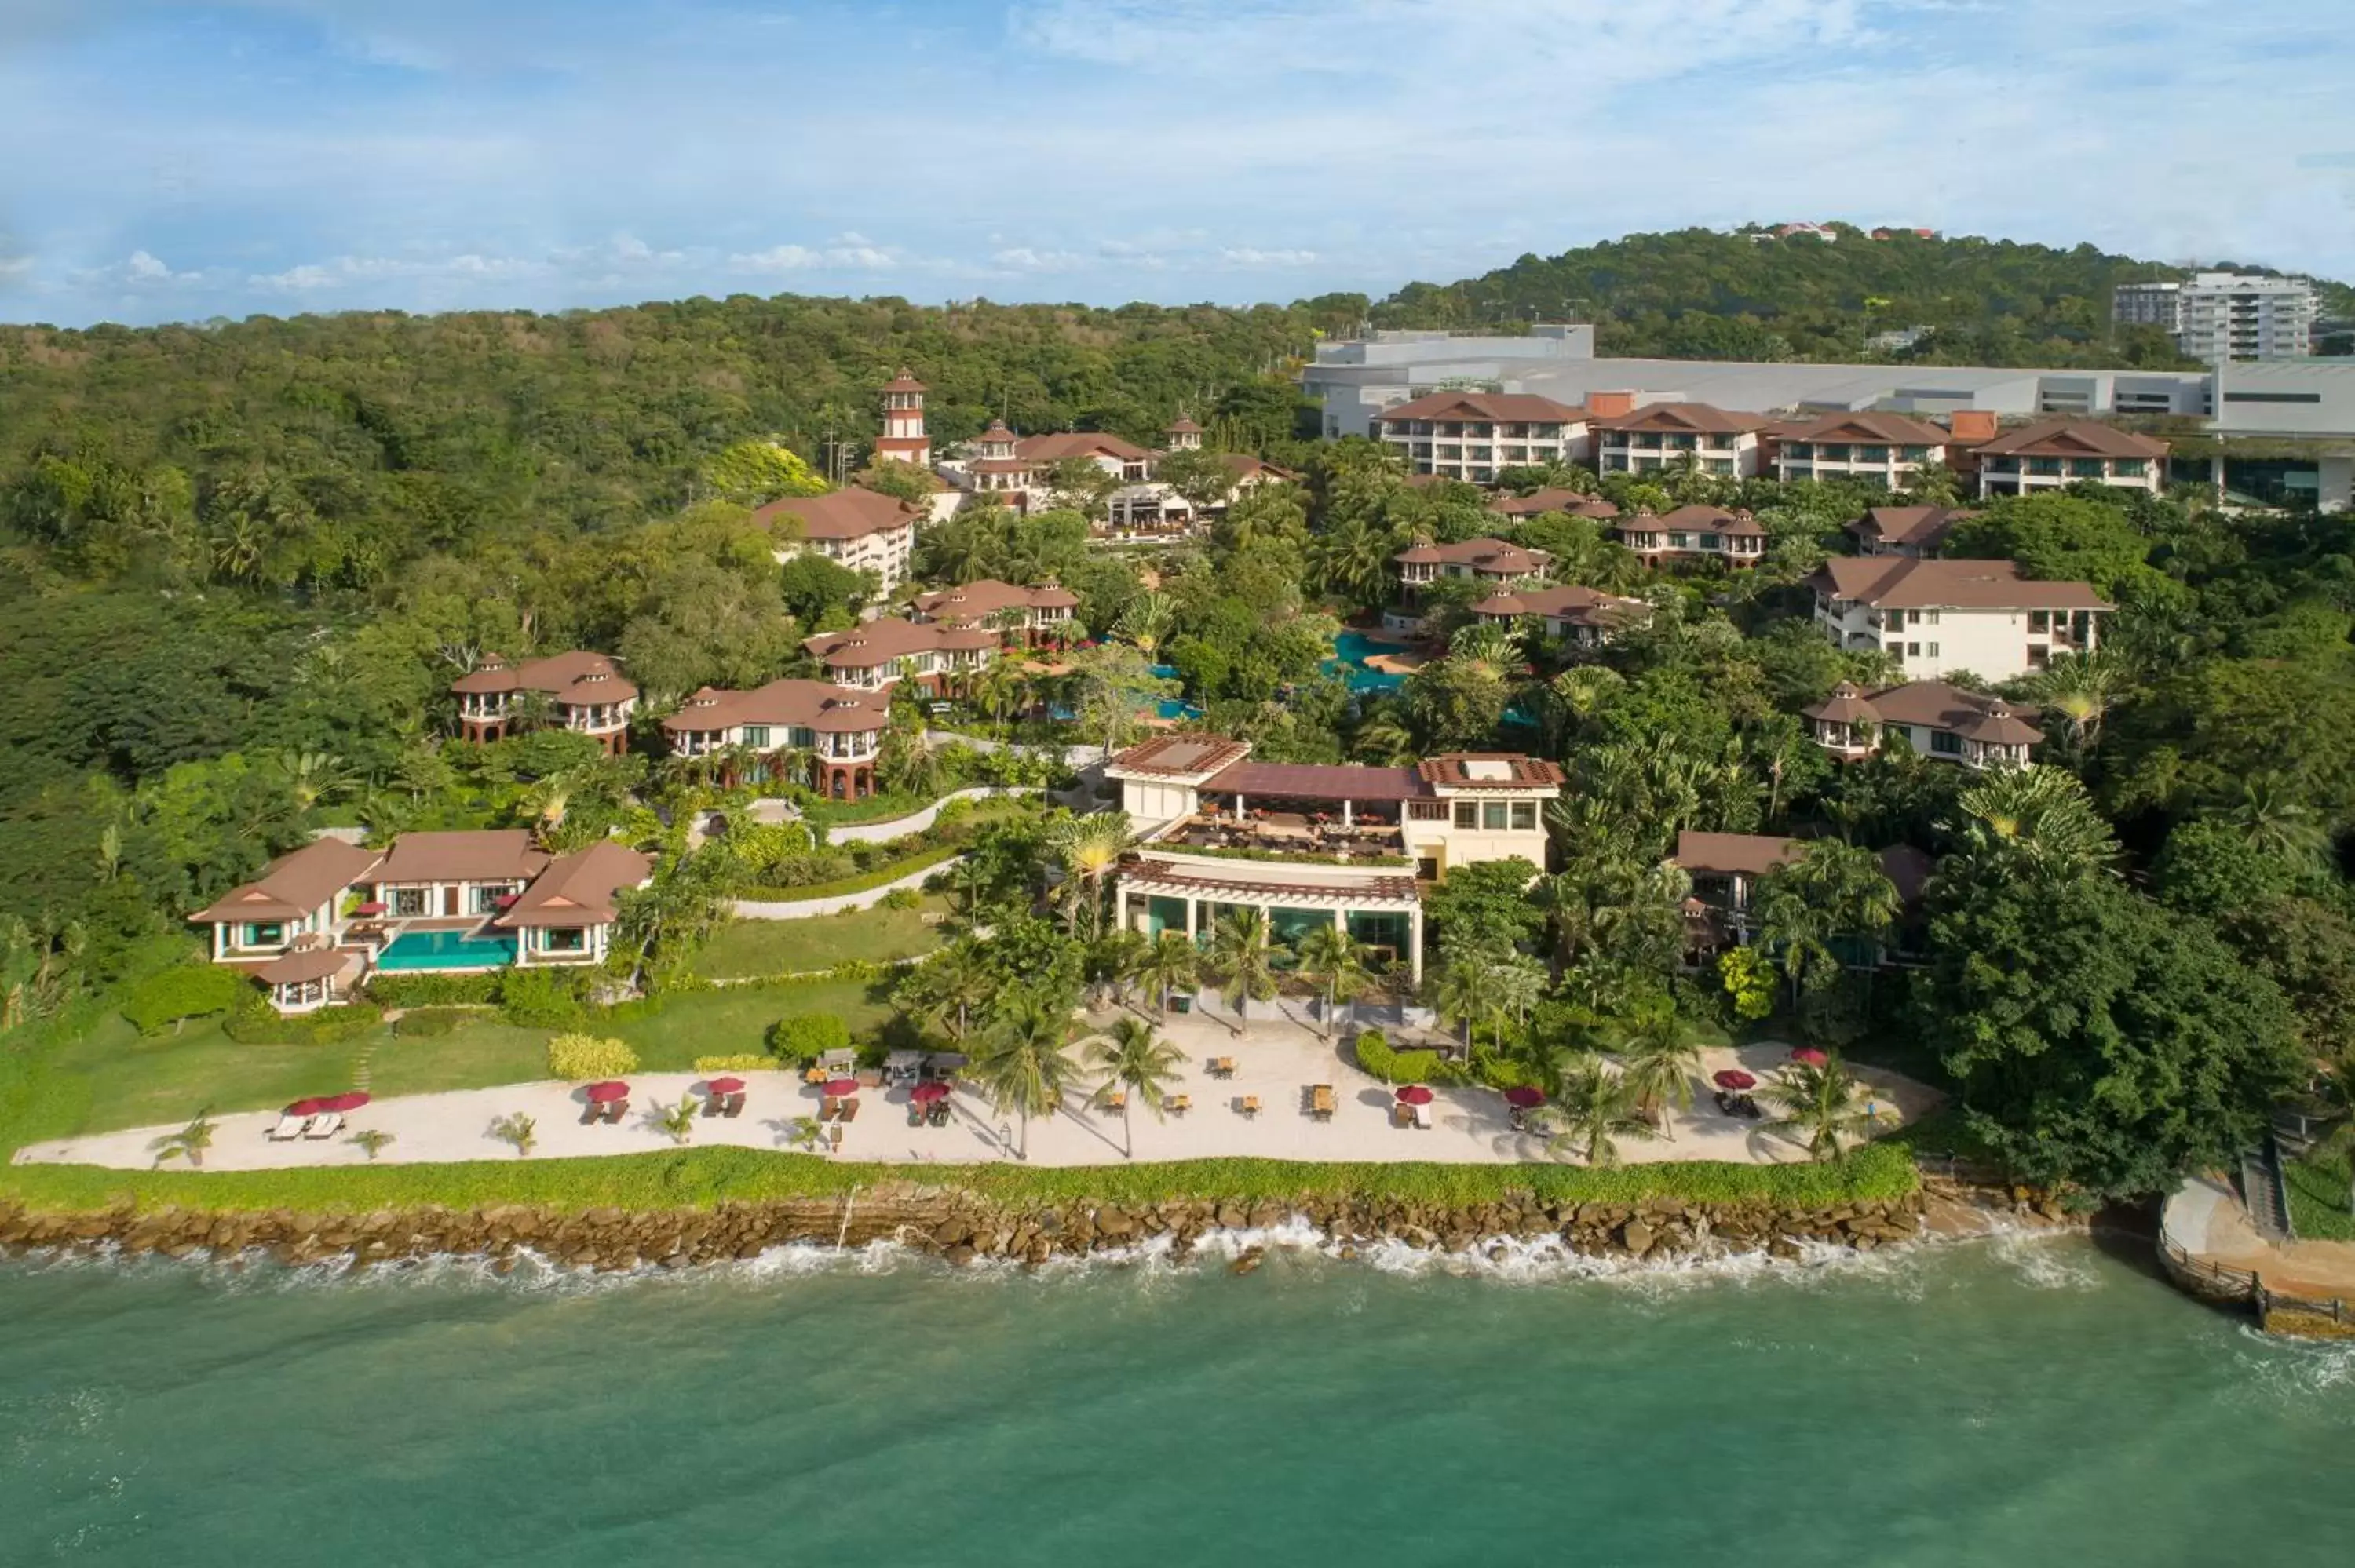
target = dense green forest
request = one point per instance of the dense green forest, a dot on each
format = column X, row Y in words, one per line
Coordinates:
column 1700, row 295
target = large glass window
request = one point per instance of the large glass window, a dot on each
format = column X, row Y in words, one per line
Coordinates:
column 757, row 735
column 1525, row 816
column 408, row 902
column 1946, row 743
column 264, row 934
column 565, row 940
column 1492, row 815
column 1798, row 449
column 1468, row 814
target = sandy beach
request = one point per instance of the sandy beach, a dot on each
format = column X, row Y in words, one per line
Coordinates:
column 1277, row 1063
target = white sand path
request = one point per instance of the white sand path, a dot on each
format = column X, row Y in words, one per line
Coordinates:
column 1275, row 1062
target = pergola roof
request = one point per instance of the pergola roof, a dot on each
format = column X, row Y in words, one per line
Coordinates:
column 1159, row 877
column 1320, row 781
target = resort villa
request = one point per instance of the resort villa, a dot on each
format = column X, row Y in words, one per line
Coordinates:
column 857, row 529
column 840, row 731
column 1937, row 720
column 1940, row 618
column 1579, row 616
column 1726, row 868
column 875, row 655
column 1884, row 449
column 318, row 920
column 1539, row 503
column 1023, row 617
column 1483, row 560
column 1697, row 532
column 1346, row 846
column 584, row 692
column 1018, row 471
column 1916, row 531
column 1473, row 435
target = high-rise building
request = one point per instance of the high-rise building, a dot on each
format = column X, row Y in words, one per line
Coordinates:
column 2220, row 316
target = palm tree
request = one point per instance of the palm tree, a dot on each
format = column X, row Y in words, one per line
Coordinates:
column 952, row 984
column 1459, row 989
column 1821, row 1105
column 1113, row 961
column 1088, row 848
column 1172, row 963
column 313, row 778
column 2036, row 821
column 2274, row 822
column 1352, row 562
column 1025, row 1062
column 1593, row 1107
column 1240, row 959
column 1132, row 1057
column 997, row 686
column 1385, row 740
column 1146, row 622
column 1334, row 962
column 1514, row 984
column 1661, row 1060
column 2080, row 688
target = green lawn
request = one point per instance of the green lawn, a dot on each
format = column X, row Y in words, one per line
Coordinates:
column 735, row 1020
column 2317, row 1199
column 744, row 947
column 112, row 1078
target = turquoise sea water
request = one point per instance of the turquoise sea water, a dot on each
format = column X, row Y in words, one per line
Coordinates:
column 2017, row 1402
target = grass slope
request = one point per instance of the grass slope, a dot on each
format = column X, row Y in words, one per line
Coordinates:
column 748, row 948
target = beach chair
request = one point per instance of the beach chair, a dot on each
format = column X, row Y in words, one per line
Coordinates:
column 712, row 1104
column 1116, row 1101
column 940, row 1113
column 1401, row 1114
column 1422, row 1117
column 326, row 1124
column 1177, row 1105
column 1320, row 1102
column 615, row 1110
column 849, row 1109
column 1248, row 1106
column 289, row 1128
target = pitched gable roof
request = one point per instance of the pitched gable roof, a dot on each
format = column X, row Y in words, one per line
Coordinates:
column 1901, row 582
column 1684, row 418
column 782, row 704
column 2072, row 438
column 850, row 513
column 1512, row 408
column 294, row 884
column 1890, row 430
column 1924, row 527
column 579, row 889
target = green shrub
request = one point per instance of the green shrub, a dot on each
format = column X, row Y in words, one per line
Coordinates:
column 431, row 1021
column 542, row 998
column 743, row 1062
column 579, row 1056
column 261, row 1024
column 901, row 898
column 182, row 993
column 434, row 990
column 862, row 971
column 808, row 1034
column 1375, row 1055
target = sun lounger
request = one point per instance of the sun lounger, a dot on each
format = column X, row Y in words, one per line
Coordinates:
column 849, row 1109
column 939, row 1116
column 1222, row 1066
column 592, row 1114
column 1177, row 1105
column 1320, row 1100
column 712, row 1104
column 1401, row 1114
column 1247, row 1106
column 326, row 1124
column 1116, row 1100
column 289, row 1128
column 1422, row 1117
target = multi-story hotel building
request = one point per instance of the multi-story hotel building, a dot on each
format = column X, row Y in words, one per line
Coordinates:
column 1712, row 531
column 1945, row 617
column 1473, row 436
column 875, row 655
column 1645, row 440
column 1883, row 449
column 858, row 529
column 2053, row 454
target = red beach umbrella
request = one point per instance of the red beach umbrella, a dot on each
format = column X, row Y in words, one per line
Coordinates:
column 312, row 1106
column 1523, row 1095
column 925, row 1093
column 724, row 1086
column 349, row 1100
column 608, row 1092
column 1808, row 1056
column 1735, row 1078
column 1414, row 1094
column 373, row 906
column 839, row 1088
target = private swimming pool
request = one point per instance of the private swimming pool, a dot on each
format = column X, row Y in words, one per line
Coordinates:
column 446, row 950
column 1350, row 651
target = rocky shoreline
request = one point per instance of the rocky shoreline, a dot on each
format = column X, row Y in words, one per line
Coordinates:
column 962, row 1228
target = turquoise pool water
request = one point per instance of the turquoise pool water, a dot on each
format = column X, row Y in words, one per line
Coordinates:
column 446, row 950
column 1350, row 651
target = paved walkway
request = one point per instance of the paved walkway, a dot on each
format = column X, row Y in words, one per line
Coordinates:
column 2207, row 1220
column 808, row 909
column 1275, row 1062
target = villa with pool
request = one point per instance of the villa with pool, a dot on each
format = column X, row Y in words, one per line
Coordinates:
column 319, row 920
column 1352, row 847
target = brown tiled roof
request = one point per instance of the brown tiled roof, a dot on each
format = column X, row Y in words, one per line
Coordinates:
column 1487, row 770
column 2072, row 438
column 1731, row 854
column 1249, row 467
column 997, row 435
column 294, row 884
column 1890, row 430
column 1708, row 520
column 878, row 642
column 851, row 514
column 1683, row 419
column 1538, row 502
column 578, row 889
column 1182, row 755
column 554, row 674
column 1924, row 527
column 1581, row 605
column 979, row 600
column 486, row 855
column 999, row 465
column 305, row 964
column 1936, row 704
column 1078, row 443
column 1489, row 555
column 1182, row 426
column 805, row 704
column 1512, row 407
column 1901, row 582
column 1320, row 781
column 1845, row 705
column 903, row 382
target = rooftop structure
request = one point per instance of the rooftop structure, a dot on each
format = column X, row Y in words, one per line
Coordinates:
column 2054, row 453
column 1538, row 502
column 1917, row 531
column 1031, row 617
column 586, row 692
column 1483, row 560
column 1695, row 532
column 1937, row 720
column 1577, row 616
column 875, row 654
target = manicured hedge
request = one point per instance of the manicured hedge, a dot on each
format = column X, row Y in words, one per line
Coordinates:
column 877, row 877
column 182, row 993
column 434, row 990
column 1375, row 1055
column 262, row 1025
column 578, row 1057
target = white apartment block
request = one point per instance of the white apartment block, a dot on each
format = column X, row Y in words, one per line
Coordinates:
column 1947, row 618
column 1657, row 436
column 2055, row 453
column 1472, row 435
column 859, row 530
column 2223, row 316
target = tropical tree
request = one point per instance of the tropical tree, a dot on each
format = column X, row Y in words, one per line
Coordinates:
column 1833, row 890
column 1113, row 961
column 1025, row 1061
column 1822, row 1106
column 1661, row 1059
column 1240, row 958
column 1172, row 963
column 1352, row 562
column 1513, row 984
column 950, row 986
column 2272, row 820
column 189, row 1143
column 2080, row 687
column 1132, row 1057
column 1458, row 984
column 2033, row 822
column 1595, row 1108
column 1088, row 850
column 1333, row 962
column 1146, row 621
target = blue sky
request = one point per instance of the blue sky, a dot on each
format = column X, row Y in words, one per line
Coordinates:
column 176, row 159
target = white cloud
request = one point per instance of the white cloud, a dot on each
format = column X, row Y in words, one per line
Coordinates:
column 1251, row 255
column 346, row 271
column 848, row 250
column 1023, row 258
